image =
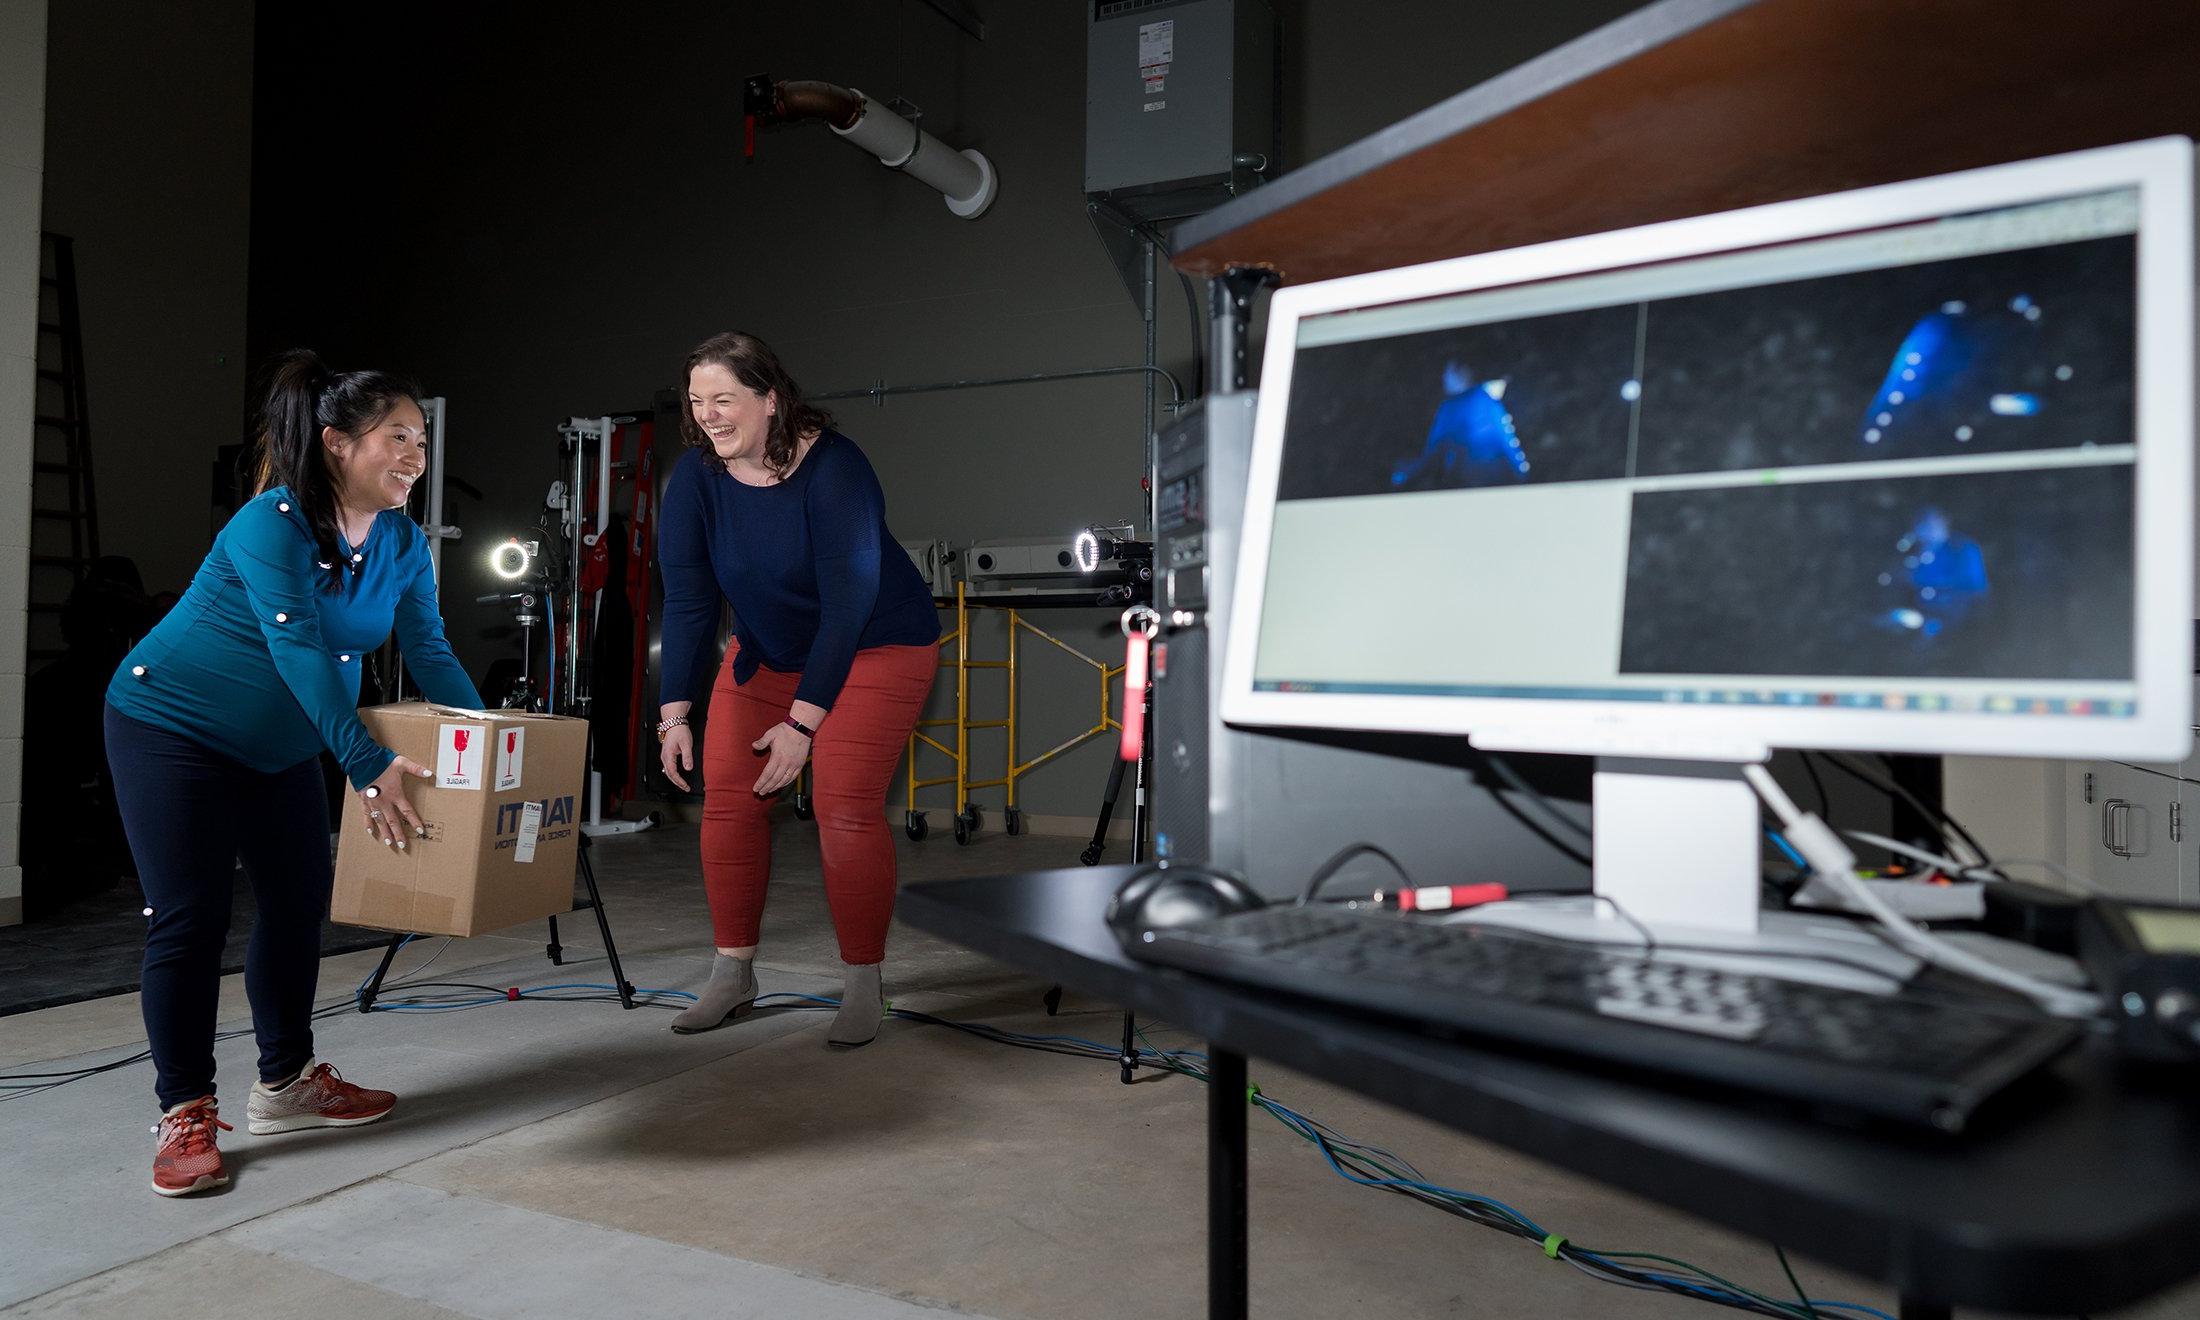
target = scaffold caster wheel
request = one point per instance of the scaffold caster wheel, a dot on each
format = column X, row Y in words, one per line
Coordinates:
column 804, row 809
column 966, row 823
column 1014, row 817
column 915, row 826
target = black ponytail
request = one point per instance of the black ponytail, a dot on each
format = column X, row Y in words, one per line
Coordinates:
column 303, row 396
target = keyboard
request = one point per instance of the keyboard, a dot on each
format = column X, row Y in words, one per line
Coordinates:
column 1918, row 1060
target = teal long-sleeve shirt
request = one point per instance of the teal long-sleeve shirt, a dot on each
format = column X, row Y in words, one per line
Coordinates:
column 260, row 661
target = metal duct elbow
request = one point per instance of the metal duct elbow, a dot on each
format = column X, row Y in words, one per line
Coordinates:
column 965, row 178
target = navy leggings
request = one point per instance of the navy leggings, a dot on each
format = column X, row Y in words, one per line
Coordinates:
column 191, row 815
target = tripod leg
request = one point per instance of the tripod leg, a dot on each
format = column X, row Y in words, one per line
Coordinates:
column 603, row 925
column 1129, row 1057
column 1052, row 999
column 373, row 986
column 1091, row 855
column 553, row 948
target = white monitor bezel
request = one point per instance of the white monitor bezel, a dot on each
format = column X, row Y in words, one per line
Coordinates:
column 2161, row 170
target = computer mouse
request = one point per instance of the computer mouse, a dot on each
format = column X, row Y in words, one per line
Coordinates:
column 1166, row 895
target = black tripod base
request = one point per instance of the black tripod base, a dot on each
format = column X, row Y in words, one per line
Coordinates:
column 372, row 989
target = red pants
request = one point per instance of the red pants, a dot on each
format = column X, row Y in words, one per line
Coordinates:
column 851, row 767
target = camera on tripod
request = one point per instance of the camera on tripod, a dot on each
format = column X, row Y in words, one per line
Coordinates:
column 1116, row 561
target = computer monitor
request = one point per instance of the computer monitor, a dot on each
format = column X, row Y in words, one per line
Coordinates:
column 1905, row 469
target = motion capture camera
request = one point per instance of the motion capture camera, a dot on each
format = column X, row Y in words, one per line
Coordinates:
column 1111, row 556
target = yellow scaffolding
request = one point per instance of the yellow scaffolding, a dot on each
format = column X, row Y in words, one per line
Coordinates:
column 967, row 819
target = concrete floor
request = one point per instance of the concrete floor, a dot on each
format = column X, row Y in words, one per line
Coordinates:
column 577, row 1160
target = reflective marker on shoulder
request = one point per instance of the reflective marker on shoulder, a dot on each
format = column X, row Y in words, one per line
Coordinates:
column 282, row 618
column 282, row 508
column 137, row 671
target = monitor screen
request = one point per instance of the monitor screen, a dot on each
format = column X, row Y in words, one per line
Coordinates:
column 1872, row 470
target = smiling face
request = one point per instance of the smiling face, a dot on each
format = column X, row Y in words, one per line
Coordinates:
column 377, row 470
column 736, row 419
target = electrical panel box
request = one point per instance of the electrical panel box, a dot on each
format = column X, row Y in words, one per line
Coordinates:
column 1178, row 94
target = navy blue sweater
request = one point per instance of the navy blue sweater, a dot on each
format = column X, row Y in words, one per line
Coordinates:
column 808, row 566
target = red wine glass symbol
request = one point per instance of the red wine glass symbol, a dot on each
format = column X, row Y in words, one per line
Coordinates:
column 459, row 738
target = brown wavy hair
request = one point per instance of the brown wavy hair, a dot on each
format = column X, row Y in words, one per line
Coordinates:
column 753, row 363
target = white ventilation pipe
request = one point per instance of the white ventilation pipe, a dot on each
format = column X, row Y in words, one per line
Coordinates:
column 964, row 178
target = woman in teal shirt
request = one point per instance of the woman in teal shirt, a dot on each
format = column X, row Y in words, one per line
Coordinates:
column 215, row 723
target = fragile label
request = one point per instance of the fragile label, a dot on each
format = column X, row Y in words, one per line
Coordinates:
column 530, row 825
column 460, row 750
column 511, row 745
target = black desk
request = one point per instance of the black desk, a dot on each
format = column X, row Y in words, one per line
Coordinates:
column 2080, row 1195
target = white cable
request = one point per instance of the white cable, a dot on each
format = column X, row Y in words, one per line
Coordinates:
column 1831, row 860
column 422, row 967
column 1958, row 869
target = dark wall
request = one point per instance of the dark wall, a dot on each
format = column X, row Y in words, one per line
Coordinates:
column 148, row 165
column 539, row 208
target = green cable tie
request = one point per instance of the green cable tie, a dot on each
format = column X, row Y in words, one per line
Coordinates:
column 1552, row 1243
column 1252, row 1092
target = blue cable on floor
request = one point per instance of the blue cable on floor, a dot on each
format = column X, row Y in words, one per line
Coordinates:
column 1300, row 1123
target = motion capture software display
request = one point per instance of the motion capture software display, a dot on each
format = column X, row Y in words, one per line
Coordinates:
column 1888, row 469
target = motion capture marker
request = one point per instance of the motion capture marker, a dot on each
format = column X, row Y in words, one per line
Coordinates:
column 1909, row 561
column 1909, row 373
column 1896, row 397
column 282, row 618
column 1955, row 307
column 1964, row 433
column 2031, row 313
column 1886, row 579
column 344, row 659
column 356, row 557
column 2064, row 372
column 282, row 508
column 1871, row 437
column 2014, row 405
column 1886, row 419
column 1631, row 391
column 324, row 563
column 137, row 671
column 148, row 912
column 1914, row 358
column 1925, row 558
column 1926, row 593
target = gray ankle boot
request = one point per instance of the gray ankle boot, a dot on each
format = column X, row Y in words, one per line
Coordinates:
column 730, row 994
column 860, row 1007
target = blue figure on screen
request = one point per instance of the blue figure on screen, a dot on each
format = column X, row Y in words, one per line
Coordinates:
column 1942, row 577
column 1471, row 441
column 1960, row 368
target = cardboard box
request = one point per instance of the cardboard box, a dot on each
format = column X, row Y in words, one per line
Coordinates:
column 502, row 817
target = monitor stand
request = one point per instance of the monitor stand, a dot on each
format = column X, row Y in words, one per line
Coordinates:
column 1677, row 853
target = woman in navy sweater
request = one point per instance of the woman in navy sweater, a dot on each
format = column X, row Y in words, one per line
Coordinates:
column 215, row 723
column 835, row 643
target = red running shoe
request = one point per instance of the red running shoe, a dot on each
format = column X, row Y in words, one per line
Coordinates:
column 319, row 1097
column 187, row 1160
